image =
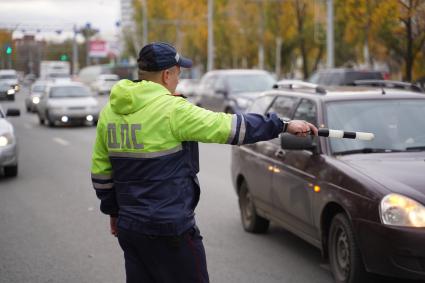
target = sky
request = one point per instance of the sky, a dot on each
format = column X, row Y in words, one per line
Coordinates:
column 60, row 14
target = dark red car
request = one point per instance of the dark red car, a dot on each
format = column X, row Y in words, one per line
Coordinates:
column 361, row 202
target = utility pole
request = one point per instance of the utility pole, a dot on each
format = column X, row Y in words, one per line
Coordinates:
column 75, row 66
column 278, row 56
column 330, row 35
column 261, row 29
column 87, row 32
column 210, row 63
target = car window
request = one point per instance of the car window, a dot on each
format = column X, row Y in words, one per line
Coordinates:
column 335, row 79
column 69, row 91
column 283, row 106
column 358, row 75
column 8, row 77
column 250, row 82
column 261, row 104
column 394, row 123
column 325, row 78
column 38, row 88
column 314, row 79
column 208, row 82
column 219, row 84
column 306, row 110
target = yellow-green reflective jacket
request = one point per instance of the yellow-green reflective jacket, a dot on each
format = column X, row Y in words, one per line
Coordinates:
column 145, row 158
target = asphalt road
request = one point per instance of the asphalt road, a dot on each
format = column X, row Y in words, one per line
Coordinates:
column 51, row 229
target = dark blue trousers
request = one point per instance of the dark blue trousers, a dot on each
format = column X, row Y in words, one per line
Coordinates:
column 164, row 259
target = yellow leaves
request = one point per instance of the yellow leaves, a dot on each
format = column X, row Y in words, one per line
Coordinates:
column 241, row 25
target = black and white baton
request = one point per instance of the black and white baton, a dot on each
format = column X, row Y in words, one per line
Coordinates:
column 324, row 132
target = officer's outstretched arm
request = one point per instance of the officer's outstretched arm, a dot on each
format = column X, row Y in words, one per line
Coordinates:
column 101, row 175
column 192, row 123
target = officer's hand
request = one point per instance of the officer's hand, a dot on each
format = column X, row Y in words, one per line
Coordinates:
column 113, row 223
column 301, row 128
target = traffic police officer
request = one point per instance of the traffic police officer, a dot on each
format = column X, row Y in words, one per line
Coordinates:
column 145, row 161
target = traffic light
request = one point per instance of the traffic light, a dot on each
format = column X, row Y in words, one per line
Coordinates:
column 64, row 57
column 8, row 50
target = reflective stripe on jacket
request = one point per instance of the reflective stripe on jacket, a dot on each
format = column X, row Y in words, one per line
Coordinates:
column 145, row 158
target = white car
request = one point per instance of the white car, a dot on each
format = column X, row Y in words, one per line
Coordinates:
column 104, row 83
column 8, row 147
column 9, row 77
column 67, row 103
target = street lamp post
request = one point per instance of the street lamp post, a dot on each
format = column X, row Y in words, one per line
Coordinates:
column 75, row 66
column 145, row 22
column 330, row 35
column 210, row 63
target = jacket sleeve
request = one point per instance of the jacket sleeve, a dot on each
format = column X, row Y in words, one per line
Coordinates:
column 101, row 175
column 192, row 123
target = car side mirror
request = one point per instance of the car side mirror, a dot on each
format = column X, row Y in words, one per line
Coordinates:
column 292, row 142
column 13, row 112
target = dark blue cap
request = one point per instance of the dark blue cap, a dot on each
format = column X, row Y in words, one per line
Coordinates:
column 158, row 56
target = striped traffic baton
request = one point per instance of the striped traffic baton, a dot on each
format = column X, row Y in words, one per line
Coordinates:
column 324, row 132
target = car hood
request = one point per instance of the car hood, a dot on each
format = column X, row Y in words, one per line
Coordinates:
column 402, row 173
column 5, row 126
column 75, row 102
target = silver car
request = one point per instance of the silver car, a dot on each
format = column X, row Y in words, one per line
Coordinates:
column 33, row 98
column 67, row 103
column 8, row 147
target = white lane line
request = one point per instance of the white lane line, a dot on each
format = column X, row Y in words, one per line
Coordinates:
column 61, row 141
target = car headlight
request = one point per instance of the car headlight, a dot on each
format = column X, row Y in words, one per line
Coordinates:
column 36, row 100
column 399, row 210
column 11, row 91
column 5, row 139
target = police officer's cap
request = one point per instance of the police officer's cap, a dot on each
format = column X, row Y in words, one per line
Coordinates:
column 158, row 56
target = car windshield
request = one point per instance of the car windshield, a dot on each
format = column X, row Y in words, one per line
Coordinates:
column 8, row 77
column 397, row 125
column 69, row 91
column 38, row 88
column 250, row 82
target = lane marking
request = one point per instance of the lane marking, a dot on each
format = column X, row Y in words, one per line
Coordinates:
column 61, row 141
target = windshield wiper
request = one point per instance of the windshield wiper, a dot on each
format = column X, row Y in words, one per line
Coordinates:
column 415, row 148
column 367, row 150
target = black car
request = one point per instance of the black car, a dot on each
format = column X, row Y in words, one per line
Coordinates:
column 231, row 91
column 344, row 76
column 361, row 202
column 7, row 92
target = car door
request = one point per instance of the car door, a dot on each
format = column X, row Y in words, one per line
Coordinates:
column 258, row 158
column 293, row 179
